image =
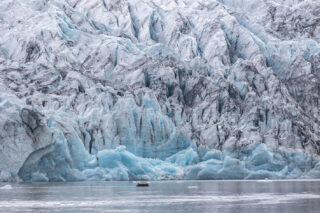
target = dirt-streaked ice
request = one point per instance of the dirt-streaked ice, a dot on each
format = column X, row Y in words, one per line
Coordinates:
column 159, row 89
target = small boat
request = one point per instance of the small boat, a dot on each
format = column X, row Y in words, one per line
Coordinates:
column 142, row 184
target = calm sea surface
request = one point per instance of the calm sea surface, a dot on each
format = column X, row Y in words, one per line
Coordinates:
column 290, row 196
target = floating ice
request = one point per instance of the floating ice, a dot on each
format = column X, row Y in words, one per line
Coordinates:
column 6, row 187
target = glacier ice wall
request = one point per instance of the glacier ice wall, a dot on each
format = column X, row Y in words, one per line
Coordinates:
column 159, row 89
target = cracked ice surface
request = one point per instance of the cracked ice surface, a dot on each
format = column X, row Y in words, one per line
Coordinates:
column 159, row 89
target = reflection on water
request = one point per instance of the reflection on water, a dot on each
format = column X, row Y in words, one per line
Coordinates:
column 168, row 196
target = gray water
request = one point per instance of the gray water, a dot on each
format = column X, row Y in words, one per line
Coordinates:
column 168, row 196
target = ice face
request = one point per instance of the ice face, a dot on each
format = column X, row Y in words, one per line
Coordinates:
column 191, row 89
column 256, row 162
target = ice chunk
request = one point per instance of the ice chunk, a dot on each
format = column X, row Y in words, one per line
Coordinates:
column 213, row 154
column 263, row 158
column 184, row 157
column 123, row 165
column 314, row 173
column 204, row 170
column 6, row 187
column 233, row 169
column 260, row 174
column 39, row 177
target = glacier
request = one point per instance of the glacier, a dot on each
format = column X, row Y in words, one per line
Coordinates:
column 159, row 89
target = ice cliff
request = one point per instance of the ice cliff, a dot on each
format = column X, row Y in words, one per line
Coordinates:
column 159, row 89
